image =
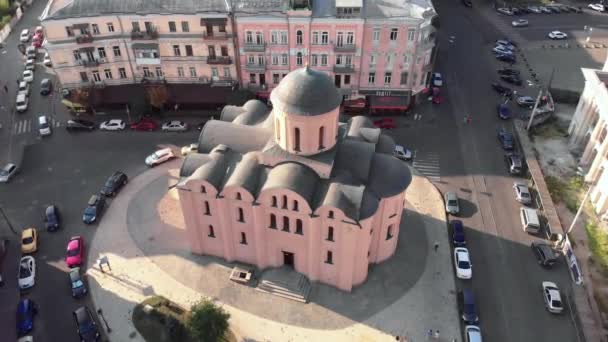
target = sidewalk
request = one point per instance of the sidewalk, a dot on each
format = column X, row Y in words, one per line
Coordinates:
column 430, row 303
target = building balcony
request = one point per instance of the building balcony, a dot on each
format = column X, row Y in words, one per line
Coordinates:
column 90, row 62
column 144, row 35
column 219, row 60
column 344, row 69
column 151, row 79
column 254, row 47
column 147, row 61
column 222, row 81
column 345, row 48
column 84, row 39
column 217, row 36
column 255, row 67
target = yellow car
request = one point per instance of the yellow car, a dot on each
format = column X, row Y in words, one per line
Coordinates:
column 29, row 241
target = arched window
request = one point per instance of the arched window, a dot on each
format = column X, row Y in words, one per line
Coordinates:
column 238, row 196
column 295, row 205
column 331, row 214
column 207, row 209
column 321, row 137
column 299, row 58
column 285, row 223
column 284, row 202
column 297, row 139
column 274, row 201
column 298, row 37
column 389, row 232
column 241, row 216
column 273, row 221
column 330, row 234
column 299, row 227
column 203, row 189
column 211, row 232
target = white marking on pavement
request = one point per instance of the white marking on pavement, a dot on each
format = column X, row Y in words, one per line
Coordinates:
column 428, row 165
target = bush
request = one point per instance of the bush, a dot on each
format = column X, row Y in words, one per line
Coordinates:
column 208, row 322
column 598, row 244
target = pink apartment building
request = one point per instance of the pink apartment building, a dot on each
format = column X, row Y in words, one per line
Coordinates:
column 293, row 186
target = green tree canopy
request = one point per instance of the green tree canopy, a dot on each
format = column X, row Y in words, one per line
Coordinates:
column 208, row 322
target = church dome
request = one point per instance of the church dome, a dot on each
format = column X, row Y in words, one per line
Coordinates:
column 306, row 92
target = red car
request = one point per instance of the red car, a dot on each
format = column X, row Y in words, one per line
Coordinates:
column 75, row 252
column 37, row 41
column 386, row 123
column 144, row 124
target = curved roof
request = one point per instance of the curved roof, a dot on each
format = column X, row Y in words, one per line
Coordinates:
column 240, row 138
column 214, row 170
column 306, row 92
column 385, row 144
column 295, row 177
column 192, row 162
column 245, row 174
column 388, row 176
column 255, row 112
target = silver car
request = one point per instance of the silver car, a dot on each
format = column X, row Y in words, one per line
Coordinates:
column 7, row 172
column 175, row 126
column 451, row 203
column 519, row 23
column 522, row 193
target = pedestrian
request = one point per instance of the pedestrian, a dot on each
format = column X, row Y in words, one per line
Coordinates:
column 436, row 334
column 104, row 261
column 429, row 334
column 468, row 119
column 5, row 88
column 436, row 247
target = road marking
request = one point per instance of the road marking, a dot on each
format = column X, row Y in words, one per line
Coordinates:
column 428, row 165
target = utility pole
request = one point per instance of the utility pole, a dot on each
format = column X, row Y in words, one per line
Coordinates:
column 540, row 93
column 580, row 209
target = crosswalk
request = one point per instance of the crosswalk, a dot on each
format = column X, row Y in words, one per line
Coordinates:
column 25, row 126
column 428, row 165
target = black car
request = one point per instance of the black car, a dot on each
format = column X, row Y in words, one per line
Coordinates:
column 79, row 125
column 506, row 139
column 507, row 71
column 51, row 218
column 511, row 79
column 85, row 324
column 502, row 90
column 116, row 181
column 506, row 58
column 514, row 163
column 77, row 283
column 544, row 254
column 94, row 208
column 46, row 86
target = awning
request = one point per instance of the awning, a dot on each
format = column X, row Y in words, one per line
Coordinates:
column 213, row 21
column 145, row 46
column 81, row 26
column 355, row 103
column 389, row 102
column 85, row 49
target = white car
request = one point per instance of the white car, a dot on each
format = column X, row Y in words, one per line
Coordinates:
column 192, row 148
column 28, row 76
column 505, row 11
column 22, row 102
column 159, row 157
column 472, row 333
column 7, row 172
column 462, row 262
column 27, row 272
column 534, row 9
column 506, row 43
column 47, row 60
column 30, row 64
column 451, row 203
column 519, row 23
column 597, row 7
column 500, row 49
column 557, row 35
column 175, row 126
column 24, row 88
column 522, row 193
column 402, row 153
column 25, row 36
column 437, row 79
column 112, row 125
column 553, row 300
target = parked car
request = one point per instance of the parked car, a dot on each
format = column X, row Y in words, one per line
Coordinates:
column 502, row 90
column 24, row 37
column 597, row 7
column 30, row 64
column 472, row 333
column 79, row 125
column 544, row 9
column 462, row 263
column 506, row 58
column 27, row 272
column 576, row 9
column 458, row 237
column 22, row 102
column 46, row 87
column 500, row 49
column 175, row 126
column 557, row 35
column 437, row 80
column 26, row 310
column 514, row 163
column 507, row 42
column 159, row 157
column 47, row 60
column 451, row 203
column 144, row 124
column 28, row 76
column 508, row 72
column 77, row 283
column 515, row 11
column 75, row 252
column 116, row 181
column 544, row 254
column 24, row 88
column 85, row 324
column 526, row 101
column 552, row 297
column 112, row 125
column 192, row 148
column 505, row 11
column 402, row 153
column 29, row 241
column 94, row 208
column 505, row 138
column 503, row 111
column 44, row 128
column 51, row 218
column 7, row 172
column 522, row 193
column 534, row 9
column 468, row 309
column 513, row 79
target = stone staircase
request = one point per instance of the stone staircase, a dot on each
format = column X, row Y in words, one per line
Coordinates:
column 285, row 282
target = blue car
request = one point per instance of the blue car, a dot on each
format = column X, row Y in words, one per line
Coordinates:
column 458, row 233
column 506, row 139
column 26, row 310
column 469, row 313
column 503, row 111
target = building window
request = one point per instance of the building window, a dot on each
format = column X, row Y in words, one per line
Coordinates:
column 371, row 78
column 418, row 60
column 243, row 239
column 189, row 51
column 284, row 59
column 159, row 72
column 96, row 76
column 274, row 37
column 323, row 60
column 298, row 37
column 330, row 233
column 389, row 61
column 227, row 72
column 102, row 52
column 314, row 59
column 274, row 59
column 376, row 35
column 261, row 60
column 404, row 78
column 185, row 26
column 330, row 258
column 110, row 27
column 330, row 214
column 180, row 72
column 122, row 72
column 387, row 78
column 372, row 61
column 203, row 189
column 284, row 202
column 135, row 26
column 321, row 137
column 423, row 79
column 275, row 78
column 147, row 72
column 259, row 38
column 315, row 38
column 172, row 27
column 350, row 38
column 299, row 229
column 411, row 33
column 324, row 38
column 176, row 50
column 283, row 37
column 346, row 79
column 251, row 59
column 77, row 56
column 84, row 77
column 285, row 224
column 389, row 232
column 414, row 78
column 221, row 28
column 299, row 59
column 241, row 215
column 95, row 28
column 297, row 138
column 295, row 205
column 406, row 60
column 339, row 59
column 116, row 50
column 207, row 210
column 393, row 35
column 238, row 196
column 273, row 221
column 215, row 73
column 252, row 78
column 69, row 31
column 249, row 37
column 108, row 74
column 192, row 72
column 211, row 232
column 224, row 50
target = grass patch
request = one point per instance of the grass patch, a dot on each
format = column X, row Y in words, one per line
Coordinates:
column 569, row 191
column 551, row 131
column 598, row 244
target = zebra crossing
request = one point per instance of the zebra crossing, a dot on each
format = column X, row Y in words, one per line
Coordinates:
column 428, row 165
column 25, row 126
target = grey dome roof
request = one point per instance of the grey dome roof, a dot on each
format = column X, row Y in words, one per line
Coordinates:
column 306, row 92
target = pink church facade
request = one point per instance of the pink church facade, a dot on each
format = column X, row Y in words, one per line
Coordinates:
column 293, row 186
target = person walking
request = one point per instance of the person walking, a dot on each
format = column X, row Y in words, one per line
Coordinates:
column 104, row 261
column 436, row 247
column 5, row 88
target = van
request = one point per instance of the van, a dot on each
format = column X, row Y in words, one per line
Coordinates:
column 22, row 102
column 43, row 125
column 529, row 220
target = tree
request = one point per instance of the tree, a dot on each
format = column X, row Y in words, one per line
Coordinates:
column 208, row 322
column 158, row 95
